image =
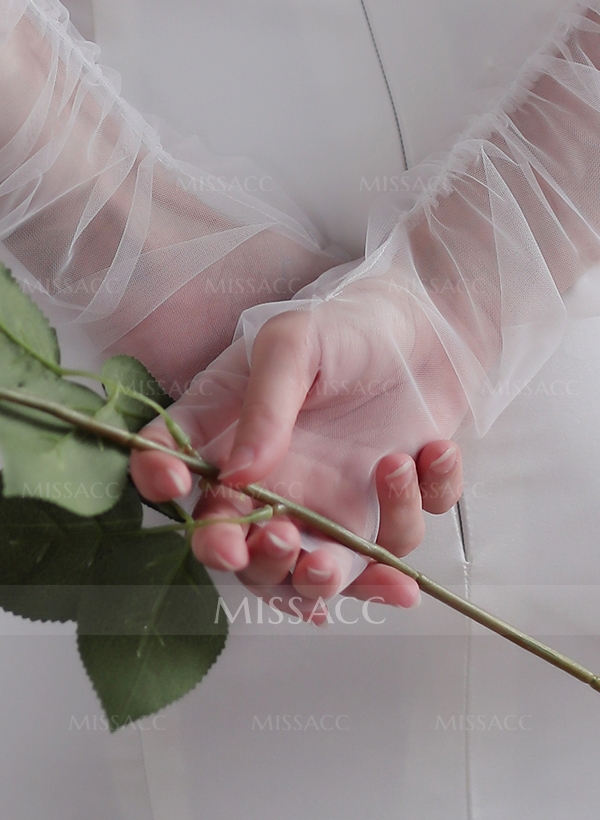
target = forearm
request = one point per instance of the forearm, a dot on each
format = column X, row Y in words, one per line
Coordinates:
column 479, row 269
column 139, row 246
column 513, row 220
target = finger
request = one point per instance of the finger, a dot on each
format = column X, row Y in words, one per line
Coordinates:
column 211, row 404
column 222, row 546
column 379, row 583
column 322, row 573
column 402, row 526
column 439, row 466
column 157, row 476
column 273, row 551
column 283, row 369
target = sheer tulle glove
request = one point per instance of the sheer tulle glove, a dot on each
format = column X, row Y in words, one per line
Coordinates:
column 152, row 255
column 464, row 293
column 333, row 394
column 258, row 409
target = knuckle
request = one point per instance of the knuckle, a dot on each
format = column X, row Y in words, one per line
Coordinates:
column 282, row 329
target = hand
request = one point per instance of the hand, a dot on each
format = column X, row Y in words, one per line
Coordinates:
column 286, row 379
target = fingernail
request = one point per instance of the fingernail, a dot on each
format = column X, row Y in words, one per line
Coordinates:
column 227, row 567
column 318, row 576
column 178, row 481
column 417, row 600
column 402, row 476
column 241, row 458
column 278, row 547
column 445, row 462
column 233, row 563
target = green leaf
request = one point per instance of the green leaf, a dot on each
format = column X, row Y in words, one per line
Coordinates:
column 23, row 321
column 47, row 553
column 150, row 628
column 146, row 609
column 131, row 373
column 44, row 457
column 149, row 625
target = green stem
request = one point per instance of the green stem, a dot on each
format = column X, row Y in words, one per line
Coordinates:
column 52, row 366
column 280, row 505
column 115, row 388
column 181, row 511
column 255, row 517
column 64, row 372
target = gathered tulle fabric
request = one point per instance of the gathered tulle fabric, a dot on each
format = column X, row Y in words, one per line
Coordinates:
column 468, row 280
column 119, row 232
column 497, row 242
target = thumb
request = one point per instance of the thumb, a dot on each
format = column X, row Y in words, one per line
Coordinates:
column 284, row 364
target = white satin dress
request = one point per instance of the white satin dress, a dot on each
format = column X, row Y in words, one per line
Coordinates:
column 424, row 715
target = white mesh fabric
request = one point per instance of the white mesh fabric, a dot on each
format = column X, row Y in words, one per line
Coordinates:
column 115, row 228
column 463, row 294
column 503, row 244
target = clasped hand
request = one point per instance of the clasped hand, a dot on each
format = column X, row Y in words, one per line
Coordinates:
column 316, row 418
